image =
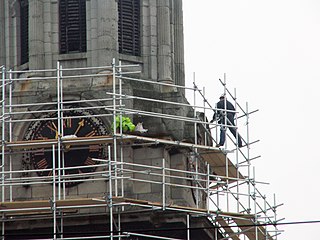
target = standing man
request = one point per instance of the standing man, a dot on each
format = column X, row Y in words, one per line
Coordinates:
column 226, row 120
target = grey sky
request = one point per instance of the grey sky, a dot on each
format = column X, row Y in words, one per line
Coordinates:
column 270, row 52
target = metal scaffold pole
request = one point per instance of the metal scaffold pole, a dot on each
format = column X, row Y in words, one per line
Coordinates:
column 3, row 111
column 224, row 126
column 10, row 130
column 54, row 199
column 59, row 132
column 110, row 202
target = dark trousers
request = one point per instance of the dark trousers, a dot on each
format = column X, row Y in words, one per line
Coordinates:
column 233, row 130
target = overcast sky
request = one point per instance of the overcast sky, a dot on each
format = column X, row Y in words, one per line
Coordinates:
column 270, row 52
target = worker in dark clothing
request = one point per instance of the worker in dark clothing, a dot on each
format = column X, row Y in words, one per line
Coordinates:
column 227, row 121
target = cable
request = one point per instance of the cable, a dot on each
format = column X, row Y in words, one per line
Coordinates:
column 296, row 223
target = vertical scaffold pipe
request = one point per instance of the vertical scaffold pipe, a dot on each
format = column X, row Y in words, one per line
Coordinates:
column 195, row 138
column 121, row 149
column 120, row 130
column 255, row 204
column 121, row 154
column 248, row 156
column 53, row 206
column 237, row 152
column 163, row 184
column 224, row 125
column 59, row 128
column 208, row 188
column 188, row 227
column 275, row 214
column 215, row 232
column 3, row 69
column 114, row 113
column 196, row 179
column 110, row 195
column 265, row 212
column 61, row 155
column 195, row 109
column 204, row 116
column 10, row 131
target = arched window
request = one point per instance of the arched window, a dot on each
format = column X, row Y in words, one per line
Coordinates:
column 73, row 31
column 24, row 31
column 129, row 27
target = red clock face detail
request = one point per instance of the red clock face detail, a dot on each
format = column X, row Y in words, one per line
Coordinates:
column 74, row 159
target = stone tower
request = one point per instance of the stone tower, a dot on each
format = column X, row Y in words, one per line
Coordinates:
column 84, row 34
column 76, row 76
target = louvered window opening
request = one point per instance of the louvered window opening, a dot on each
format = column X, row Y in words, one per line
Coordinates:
column 73, row 31
column 129, row 27
column 24, row 31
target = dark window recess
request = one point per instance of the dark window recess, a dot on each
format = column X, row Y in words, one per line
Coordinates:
column 73, row 31
column 24, row 31
column 129, row 27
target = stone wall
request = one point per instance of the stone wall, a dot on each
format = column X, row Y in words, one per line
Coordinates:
column 162, row 55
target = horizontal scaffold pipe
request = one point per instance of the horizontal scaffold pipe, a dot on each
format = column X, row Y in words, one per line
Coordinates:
column 33, row 79
column 93, row 75
column 246, row 114
column 6, row 84
column 128, row 97
column 156, row 83
column 169, row 142
column 54, row 78
column 115, row 236
column 55, row 118
column 46, row 179
column 32, row 71
column 87, row 68
column 149, row 236
column 159, row 115
column 62, row 102
column 198, row 174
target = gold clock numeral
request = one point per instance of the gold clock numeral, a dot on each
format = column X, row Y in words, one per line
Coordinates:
column 67, row 123
column 94, row 148
column 40, row 137
column 90, row 134
column 53, row 127
column 42, row 164
column 81, row 124
column 89, row 161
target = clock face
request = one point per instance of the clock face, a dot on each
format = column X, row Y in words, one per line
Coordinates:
column 76, row 159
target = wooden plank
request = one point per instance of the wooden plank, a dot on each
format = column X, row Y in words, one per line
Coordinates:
column 227, row 229
column 32, row 144
column 250, row 231
column 45, row 205
column 178, row 207
column 42, row 213
column 217, row 160
column 47, row 143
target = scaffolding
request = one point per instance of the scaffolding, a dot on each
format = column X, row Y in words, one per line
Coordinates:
column 221, row 180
